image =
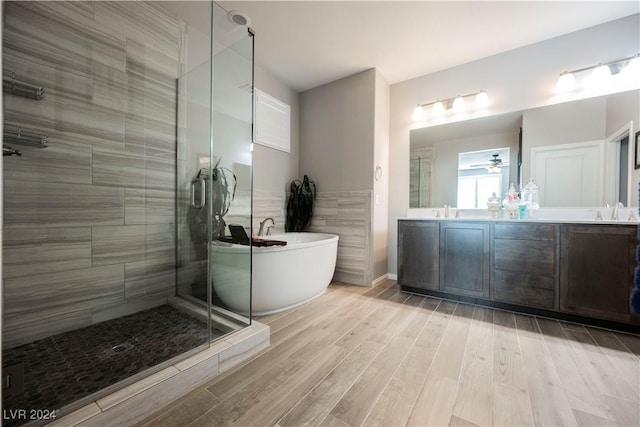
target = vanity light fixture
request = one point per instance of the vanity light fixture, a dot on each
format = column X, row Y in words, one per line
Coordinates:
column 566, row 82
column 632, row 70
column 438, row 109
column 482, row 99
column 600, row 76
column 601, row 73
column 457, row 105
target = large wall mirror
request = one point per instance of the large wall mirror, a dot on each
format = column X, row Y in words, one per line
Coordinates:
column 580, row 153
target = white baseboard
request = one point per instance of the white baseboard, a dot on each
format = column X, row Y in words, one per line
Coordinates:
column 392, row 276
column 379, row 280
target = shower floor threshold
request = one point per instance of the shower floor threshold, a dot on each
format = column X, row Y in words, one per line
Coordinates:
column 133, row 403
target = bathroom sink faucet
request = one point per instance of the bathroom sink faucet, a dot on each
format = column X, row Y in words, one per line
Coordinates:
column 261, row 229
column 614, row 211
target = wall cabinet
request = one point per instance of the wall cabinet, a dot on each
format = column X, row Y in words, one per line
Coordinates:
column 596, row 274
column 464, row 258
column 581, row 270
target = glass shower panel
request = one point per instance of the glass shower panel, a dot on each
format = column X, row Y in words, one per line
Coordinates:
column 214, row 177
column 194, row 164
column 90, row 219
column 232, row 138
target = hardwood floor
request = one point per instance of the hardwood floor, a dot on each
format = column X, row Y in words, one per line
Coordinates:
column 380, row 357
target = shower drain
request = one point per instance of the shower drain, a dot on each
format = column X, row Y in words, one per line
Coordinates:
column 121, row 347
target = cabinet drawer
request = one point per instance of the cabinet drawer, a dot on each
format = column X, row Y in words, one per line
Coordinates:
column 527, row 256
column 525, row 231
column 524, row 289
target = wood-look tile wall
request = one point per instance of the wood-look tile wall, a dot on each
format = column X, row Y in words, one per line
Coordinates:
column 345, row 213
column 90, row 220
column 267, row 204
column 348, row 214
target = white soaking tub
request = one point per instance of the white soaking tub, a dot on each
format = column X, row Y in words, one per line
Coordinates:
column 283, row 276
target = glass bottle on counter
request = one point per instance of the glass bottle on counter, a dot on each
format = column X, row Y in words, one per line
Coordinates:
column 531, row 197
column 511, row 202
column 493, row 204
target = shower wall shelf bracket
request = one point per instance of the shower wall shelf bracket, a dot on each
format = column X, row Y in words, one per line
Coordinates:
column 20, row 88
column 15, row 135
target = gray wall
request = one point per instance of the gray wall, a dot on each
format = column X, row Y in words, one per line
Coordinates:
column 337, row 128
column 273, row 169
column 515, row 80
column 562, row 124
column 344, row 135
column 89, row 221
column 381, row 182
column 444, row 172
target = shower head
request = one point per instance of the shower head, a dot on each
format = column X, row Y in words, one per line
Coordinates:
column 239, row 18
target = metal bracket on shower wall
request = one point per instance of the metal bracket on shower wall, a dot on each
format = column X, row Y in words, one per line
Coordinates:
column 17, row 87
column 9, row 151
column 15, row 135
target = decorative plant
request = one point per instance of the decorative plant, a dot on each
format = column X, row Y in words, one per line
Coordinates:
column 223, row 190
column 302, row 195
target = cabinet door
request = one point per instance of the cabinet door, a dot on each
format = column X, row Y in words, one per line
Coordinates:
column 524, row 264
column 596, row 270
column 418, row 254
column 464, row 259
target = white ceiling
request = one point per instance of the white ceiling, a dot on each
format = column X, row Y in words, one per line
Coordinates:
column 309, row 43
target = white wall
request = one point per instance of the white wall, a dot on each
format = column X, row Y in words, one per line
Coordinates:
column 515, row 80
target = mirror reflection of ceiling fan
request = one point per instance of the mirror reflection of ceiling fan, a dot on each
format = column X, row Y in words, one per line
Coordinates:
column 493, row 165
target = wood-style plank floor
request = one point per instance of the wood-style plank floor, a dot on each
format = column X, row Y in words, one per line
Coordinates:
column 379, row 357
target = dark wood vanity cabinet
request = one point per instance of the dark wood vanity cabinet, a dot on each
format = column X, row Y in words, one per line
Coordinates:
column 464, row 258
column 596, row 270
column 557, row 269
column 418, row 253
column 525, row 264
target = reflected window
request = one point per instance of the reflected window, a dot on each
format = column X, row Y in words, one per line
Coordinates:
column 474, row 191
column 481, row 173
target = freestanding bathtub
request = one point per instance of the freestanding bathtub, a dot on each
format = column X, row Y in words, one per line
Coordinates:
column 283, row 276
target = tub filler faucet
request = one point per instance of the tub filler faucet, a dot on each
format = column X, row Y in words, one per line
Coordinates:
column 261, row 229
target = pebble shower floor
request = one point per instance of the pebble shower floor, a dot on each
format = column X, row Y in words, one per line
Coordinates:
column 63, row 368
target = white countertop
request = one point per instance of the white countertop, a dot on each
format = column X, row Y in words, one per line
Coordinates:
column 543, row 215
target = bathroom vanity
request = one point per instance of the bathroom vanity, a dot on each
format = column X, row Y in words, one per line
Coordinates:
column 573, row 270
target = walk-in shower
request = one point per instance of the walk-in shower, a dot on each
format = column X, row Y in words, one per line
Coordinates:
column 144, row 108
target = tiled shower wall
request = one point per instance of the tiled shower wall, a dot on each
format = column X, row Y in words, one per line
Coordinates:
column 89, row 221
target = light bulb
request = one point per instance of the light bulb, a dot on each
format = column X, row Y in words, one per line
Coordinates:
column 600, row 76
column 418, row 113
column 438, row 109
column 459, row 105
column 566, row 82
column 482, row 100
column 631, row 73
